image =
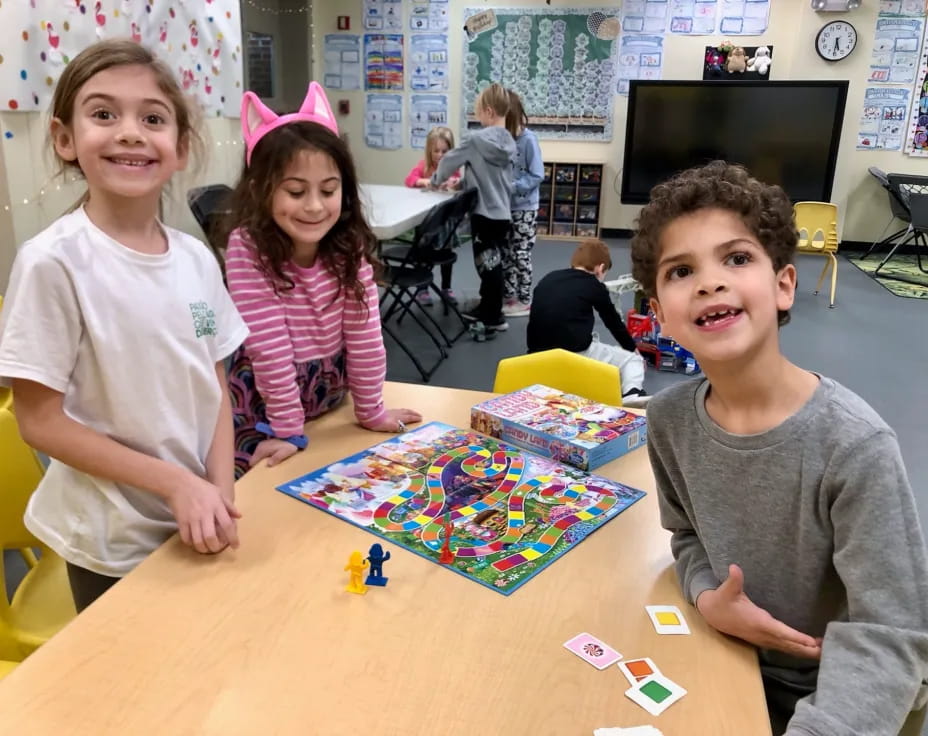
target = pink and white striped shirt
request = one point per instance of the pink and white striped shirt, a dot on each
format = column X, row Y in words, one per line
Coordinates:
column 305, row 324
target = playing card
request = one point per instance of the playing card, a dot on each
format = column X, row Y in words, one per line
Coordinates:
column 636, row 670
column 596, row 652
column 655, row 694
column 667, row 620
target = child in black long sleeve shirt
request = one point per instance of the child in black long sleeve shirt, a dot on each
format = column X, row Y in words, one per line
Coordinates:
column 562, row 317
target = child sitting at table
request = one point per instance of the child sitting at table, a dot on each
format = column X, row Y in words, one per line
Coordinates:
column 300, row 268
column 561, row 316
column 438, row 142
column 794, row 526
column 488, row 154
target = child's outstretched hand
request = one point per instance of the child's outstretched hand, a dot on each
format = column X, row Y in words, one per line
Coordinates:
column 275, row 450
column 395, row 420
column 728, row 609
column 205, row 518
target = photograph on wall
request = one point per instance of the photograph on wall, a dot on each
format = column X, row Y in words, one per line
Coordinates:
column 383, row 15
column 561, row 62
column 383, row 61
column 383, row 121
column 917, row 138
column 342, row 57
column 744, row 17
column 428, row 62
column 693, row 17
column 640, row 57
column 644, row 16
column 201, row 44
column 425, row 112
column 883, row 120
column 896, row 43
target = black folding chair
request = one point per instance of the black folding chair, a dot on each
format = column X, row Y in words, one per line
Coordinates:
column 209, row 205
column 898, row 205
column 918, row 231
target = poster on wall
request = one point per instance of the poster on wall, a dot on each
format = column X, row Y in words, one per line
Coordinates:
column 428, row 61
column 640, row 57
column 896, row 44
column 383, row 121
column 342, row 57
column 383, row 61
column 917, row 138
column 644, row 16
column 383, row 15
column 693, row 17
column 883, row 121
column 912, row 8
column 425, row 112
column 201, row 44
column 561, row 62
column 428, row 15
column 744, row 17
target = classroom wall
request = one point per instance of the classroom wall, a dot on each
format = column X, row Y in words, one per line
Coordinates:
column 863, row 206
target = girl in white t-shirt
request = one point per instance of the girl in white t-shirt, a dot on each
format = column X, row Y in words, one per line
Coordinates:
column 113, row 335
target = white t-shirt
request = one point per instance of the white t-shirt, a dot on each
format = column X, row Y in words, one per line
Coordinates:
column 132, row 341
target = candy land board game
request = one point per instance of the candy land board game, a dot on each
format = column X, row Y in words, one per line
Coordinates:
column 564, row 427
column 511, row 513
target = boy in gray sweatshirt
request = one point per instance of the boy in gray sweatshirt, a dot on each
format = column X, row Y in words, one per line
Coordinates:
column 488, row 154
column 794, row 526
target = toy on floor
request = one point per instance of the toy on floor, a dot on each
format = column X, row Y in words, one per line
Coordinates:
column 663, row 352
column 355, row 567
column 480, row 332
column 446, row 557
column 376, row 556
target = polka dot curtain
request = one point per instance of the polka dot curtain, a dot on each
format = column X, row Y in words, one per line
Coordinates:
column 199, row 39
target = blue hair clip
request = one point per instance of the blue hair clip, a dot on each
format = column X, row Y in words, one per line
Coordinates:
column 300, row 441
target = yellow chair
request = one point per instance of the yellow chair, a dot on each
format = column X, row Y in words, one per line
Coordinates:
column 6, row 667
column 817, row 223
column 563, row 370
column 6, row 395
column 42, row 602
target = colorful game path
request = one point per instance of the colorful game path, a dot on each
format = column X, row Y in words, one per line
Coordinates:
column 512, row 513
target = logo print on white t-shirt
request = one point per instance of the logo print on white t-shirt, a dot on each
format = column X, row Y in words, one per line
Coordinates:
column 204, row 319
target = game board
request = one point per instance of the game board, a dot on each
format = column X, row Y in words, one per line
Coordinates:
column 513, row 513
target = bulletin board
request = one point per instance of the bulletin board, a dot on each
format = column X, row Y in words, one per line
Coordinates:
column 561, row 62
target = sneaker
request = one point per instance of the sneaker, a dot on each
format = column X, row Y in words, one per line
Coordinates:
column 500, row 326
column 635, row 399
column 517, row 309
column 449, row 296
column 470, row 316
column 424, row 298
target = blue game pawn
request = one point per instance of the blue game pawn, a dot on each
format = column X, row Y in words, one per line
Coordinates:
column 376, row 556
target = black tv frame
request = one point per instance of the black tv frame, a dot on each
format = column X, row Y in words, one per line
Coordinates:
column 840, row 84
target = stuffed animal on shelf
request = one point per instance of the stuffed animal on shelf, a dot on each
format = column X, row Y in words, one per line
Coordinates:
column 737, row 61
column 714, row 60
column 761, row 61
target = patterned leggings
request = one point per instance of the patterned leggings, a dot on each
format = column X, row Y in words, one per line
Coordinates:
column 323, row 384
column 517, row 257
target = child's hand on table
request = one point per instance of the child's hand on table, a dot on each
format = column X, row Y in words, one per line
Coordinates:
column 275, row 450
column 728, row 609
column 205, row 517
column 395, row 421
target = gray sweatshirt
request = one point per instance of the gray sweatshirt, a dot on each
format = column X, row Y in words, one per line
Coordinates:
column 488, row 153
column 819, row 514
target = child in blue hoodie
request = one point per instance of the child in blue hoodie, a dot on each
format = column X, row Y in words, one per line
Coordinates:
column 487, row 155
column 527, row 176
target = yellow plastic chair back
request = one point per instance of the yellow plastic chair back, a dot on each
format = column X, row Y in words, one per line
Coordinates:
column 817, row 223
column 42, row 602
column 6, row 396
column 564, row 371
column 6, row 667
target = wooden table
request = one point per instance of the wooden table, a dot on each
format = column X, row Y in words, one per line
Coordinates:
column 392, row 210
column 263, row 640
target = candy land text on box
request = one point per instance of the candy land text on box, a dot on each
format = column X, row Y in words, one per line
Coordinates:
column 564, row 427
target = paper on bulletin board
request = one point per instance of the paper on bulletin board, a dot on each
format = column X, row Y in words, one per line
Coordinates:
column 428, row 62
column 693, row 17
column 883, row 121
column 202, row 45
column 896, row 44
column 425, row 112
column 917, row 138
column 383, row 61
column 383, row 15
column 644, row 16
column 428, row 15
column 640, row 57
column 912, row 8
column 744, row 17
column 383, row 121
column 342, row 56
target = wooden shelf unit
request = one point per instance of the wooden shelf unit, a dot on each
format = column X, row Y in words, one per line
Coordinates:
column 569, row 200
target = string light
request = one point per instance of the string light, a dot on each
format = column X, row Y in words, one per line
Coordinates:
column 280, row 11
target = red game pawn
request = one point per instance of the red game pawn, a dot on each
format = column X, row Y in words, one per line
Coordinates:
column 446, row 556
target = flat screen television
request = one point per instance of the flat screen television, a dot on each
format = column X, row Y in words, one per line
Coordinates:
column 785, row 133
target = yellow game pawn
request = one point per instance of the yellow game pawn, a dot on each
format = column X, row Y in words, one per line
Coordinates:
column 356, row 566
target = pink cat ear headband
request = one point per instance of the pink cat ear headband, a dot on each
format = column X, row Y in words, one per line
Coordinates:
column 258, row 120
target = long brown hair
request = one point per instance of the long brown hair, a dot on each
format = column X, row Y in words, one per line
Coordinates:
column 438, row 133
column 516, row 119
column 118, row 52
column 343, row 248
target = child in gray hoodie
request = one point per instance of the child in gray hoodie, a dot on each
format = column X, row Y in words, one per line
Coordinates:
column 487, row 155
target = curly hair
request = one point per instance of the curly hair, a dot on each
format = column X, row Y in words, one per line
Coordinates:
column 764, row 209
column 342, row 249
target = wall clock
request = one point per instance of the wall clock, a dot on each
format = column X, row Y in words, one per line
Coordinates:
column 836, row 40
